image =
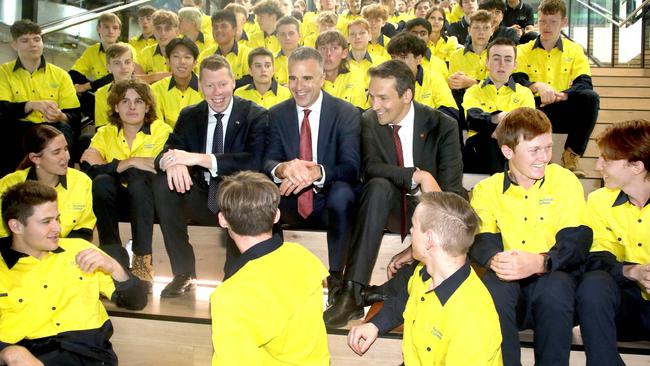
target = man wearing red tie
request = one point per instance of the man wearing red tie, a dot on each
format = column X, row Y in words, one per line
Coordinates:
column 312, row 151
column 408, row 148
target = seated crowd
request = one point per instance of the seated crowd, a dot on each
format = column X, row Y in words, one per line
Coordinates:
column 353, row 122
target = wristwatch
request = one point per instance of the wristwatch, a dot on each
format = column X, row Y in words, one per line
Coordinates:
column 547, row 263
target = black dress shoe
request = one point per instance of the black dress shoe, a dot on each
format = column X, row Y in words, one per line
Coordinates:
column 334, row 285
column 347, row 306
column 372, row 294
column 179, row 285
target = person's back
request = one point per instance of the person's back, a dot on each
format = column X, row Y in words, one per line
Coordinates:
column 284, row 322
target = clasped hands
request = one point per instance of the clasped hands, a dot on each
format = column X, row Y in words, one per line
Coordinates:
column 513, row 265
column 460, row 80
column 547, row 94
column 297, row 175
column 49, row 109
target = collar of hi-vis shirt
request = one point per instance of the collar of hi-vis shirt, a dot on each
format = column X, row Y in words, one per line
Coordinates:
column 314, row 123
column 449, row 286
column 405, row 133
column 11, row 256
column 256, row 251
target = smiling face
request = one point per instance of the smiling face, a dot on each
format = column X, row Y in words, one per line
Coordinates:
column 386, row 102
column 181, row 62
column 305, row 81
column 501, row 62
column 217, row 87
column 419, row 239
column 40, row 232
column 616, row 173
column 529, row 159
column 223, row 33
column 131, row 108
column 54, row 158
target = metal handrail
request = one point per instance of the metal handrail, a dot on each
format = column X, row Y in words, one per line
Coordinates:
column 627, row 21
column 90, row 16
column 589, row 55
column 101, row 8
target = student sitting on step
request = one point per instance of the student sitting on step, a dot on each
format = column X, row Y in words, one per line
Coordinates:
column 145, row 23
column 288, row 30
column 264, row 90
column 612, row 299
column 269, row 308
column 119, row 60
column 557, row 71
column 50, row 288
column 189, row 26
column 153, row 59
column 448, row 314
column 267, row 13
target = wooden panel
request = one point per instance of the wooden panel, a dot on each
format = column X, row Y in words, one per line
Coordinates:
column 613, row 116
column 619, row 71
column 639, row 104
column 620, row 81
column 623, row 92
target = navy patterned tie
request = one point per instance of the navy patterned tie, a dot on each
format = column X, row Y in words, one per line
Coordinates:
column 217, row 148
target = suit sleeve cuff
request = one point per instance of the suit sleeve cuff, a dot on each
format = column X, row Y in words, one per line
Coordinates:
column 214, row 171
column 275, row 177
column 321, row 182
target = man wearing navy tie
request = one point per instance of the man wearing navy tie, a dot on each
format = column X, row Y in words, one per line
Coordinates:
column 219, row 136
column 312, row 151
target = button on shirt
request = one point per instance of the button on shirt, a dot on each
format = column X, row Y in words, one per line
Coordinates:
column 212, row 124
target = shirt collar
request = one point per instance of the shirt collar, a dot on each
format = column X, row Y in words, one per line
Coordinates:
column 622, row 198
column 200, row 37
column 194, row 82
column 101, row 48
column 142, row 37
column 274, row 86
column 380, row 41
column 419, row 75
column 256, row 251
column 507, row 182
column 280, row 53
column 19, row 65
column 409, row 119
column 558, row 44
column 11, row 256
column 427, row 54
column 157, row 51
column 244, row 36
column 269, row 35
column 145, row 128
column 31, row 175
column 463, row 22
column 510, row 83
column 314, row 108
column 448, row 287
column 234, row 50
column 366, row 56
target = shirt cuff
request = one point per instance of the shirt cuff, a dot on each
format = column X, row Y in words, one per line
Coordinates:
column 275, row 177
column 321, row 182
column 215, row 168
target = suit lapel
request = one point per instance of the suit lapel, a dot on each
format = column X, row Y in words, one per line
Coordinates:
column 386, row 143
column 325, row 127
column 293, row 130
column 202, row 123
column 421, row 128
column 234, row 123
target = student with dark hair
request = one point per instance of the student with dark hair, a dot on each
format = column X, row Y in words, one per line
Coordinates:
column 533, row 253
column 120, row 161
column 217, row 137
column 557, row 71
column 440, row 43
column 496, row 8
column 181, row 89
column 51, row 287
column 408, row 149
column 460, row 29
column 224, row 27
column 153, row 59
column 267, row 13
column 46, row 161
column 612, row 298
column 288, row 32
column 145, row 23
column 289, row 327
column 421, row 28
column 519, row 16
column 33, row 91
column 264, row 90
column 430, row 87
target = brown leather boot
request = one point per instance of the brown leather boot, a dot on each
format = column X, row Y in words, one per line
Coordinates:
column 571, row 161
column 142, row 267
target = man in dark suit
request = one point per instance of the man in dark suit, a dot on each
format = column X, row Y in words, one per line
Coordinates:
column 217, row 137
column 408, row 148
column 313, row 153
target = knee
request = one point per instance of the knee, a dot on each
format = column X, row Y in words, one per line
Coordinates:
column 588, row 97
column 139, row 184
column 557, row 291
column 340, row 197
column 379, row 187
column 596, row 287
column 504, row 294
column 104, row 186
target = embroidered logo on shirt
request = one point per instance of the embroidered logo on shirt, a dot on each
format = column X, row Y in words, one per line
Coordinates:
column 149, row 146
column 78, row 206
column 546, row 200
column 436, row 333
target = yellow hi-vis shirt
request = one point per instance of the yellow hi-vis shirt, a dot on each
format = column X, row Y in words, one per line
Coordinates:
column 557, row 68
column 74, row 199
column 465, row 60
column 101, row 105
column 343, row 21
column 47, row 82
column 620, row 227
column 529, row 220
column 445, row 46
column 435, row 64
column 257, row 319
column 431, row 89
column 275, row 94
column 455, row 14
column 350, row 87
column 361, row 67
column 139, row 42
column 281, row 66
column 237, row 58
column 454, row 324
column 261, row 39
column 43, row 298
column 170, row 100
column 152, row 60
column 92, row 63
column 111, row 144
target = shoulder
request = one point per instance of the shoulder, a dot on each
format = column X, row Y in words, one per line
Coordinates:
column 14, row 178
column 161, row 84
column 72, row 246
column 78, row 177
column 159, row 127
column 603, row 197
column 57, row 71
column 106, row 131
column 561, row 177
column 338, row 105
column 425, row 114
column 525, row 48
column 90, row 50
column 489, row 185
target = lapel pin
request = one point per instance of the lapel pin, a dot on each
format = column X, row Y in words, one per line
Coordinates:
column 421, row 136
column 236, row 123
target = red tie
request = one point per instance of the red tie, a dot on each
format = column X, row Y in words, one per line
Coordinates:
column 306, row 197
column 399, row 155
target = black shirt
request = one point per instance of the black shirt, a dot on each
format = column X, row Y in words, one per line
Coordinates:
column 521, row 15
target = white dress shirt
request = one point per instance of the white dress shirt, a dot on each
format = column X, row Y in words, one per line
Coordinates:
column 405, row 134
column 212, row 124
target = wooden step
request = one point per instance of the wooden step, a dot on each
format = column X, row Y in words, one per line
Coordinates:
column 638, row 104
column 613, row 116
column 620, row 81
column 620, row 71
column 623, row 92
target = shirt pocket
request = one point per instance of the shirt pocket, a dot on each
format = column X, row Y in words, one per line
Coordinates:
column 14, row 301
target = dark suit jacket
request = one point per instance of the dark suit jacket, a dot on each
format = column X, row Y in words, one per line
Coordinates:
column 436, row 149
column 338, row 138
column 244, row 143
